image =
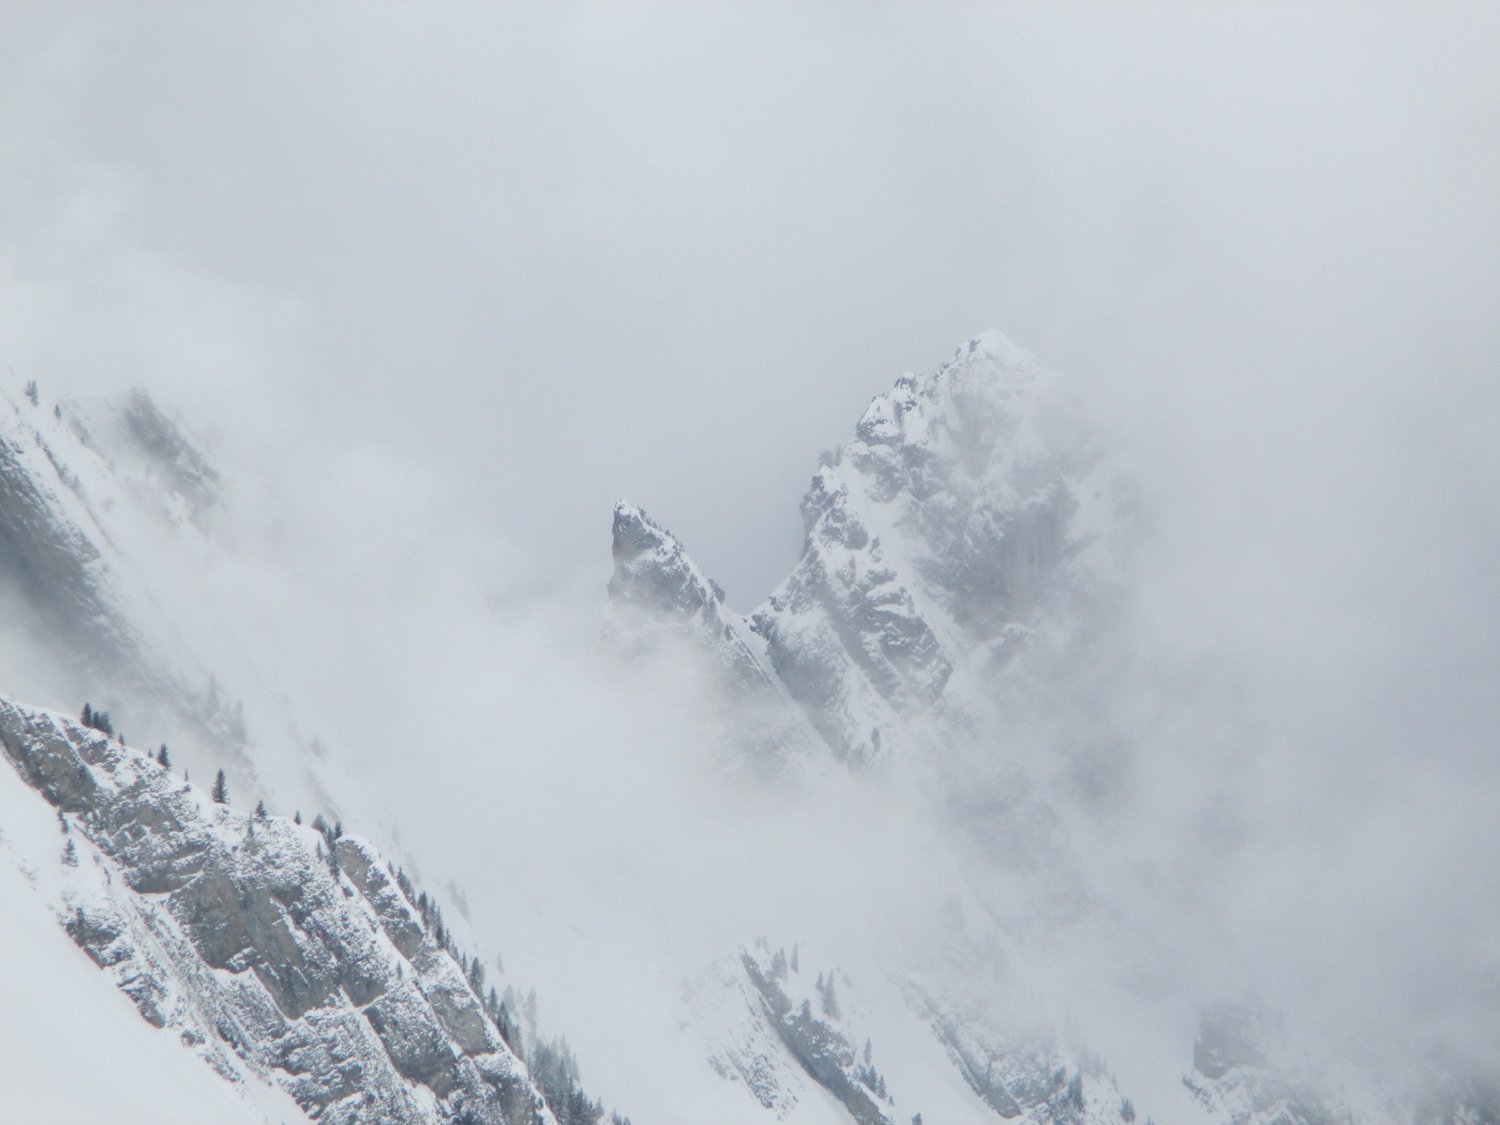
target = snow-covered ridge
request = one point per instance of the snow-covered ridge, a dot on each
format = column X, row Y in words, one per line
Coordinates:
column 283, row 955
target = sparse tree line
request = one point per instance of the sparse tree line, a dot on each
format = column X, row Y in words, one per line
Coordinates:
column 98, row 720
column 551, row 1062
column 864, row 1072
column 871, row 1078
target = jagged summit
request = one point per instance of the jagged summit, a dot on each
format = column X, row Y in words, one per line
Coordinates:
column 896, row 416
column 656, row 586
column 935, row 537
column 654, row 573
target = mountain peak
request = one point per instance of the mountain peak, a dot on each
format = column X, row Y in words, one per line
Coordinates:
column 635, row 532
column 997, row 346
column 654, row 574
column 936, row 539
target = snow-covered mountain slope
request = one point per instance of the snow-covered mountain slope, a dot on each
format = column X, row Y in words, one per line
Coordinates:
column 103, row 503
column 60, row 571
column 128, row 485
column 795, row 1037
column 909, row 714
column 295, row 962
column 77, row 1048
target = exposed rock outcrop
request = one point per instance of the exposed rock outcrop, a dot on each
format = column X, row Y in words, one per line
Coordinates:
column 278, row 953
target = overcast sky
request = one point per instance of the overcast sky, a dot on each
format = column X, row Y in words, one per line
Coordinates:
column 561, row 253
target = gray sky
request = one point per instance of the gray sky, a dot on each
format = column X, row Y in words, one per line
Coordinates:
column 562, row 253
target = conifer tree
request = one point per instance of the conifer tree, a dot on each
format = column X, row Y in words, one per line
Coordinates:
column 260, row 810
column 163, row 757
column 96, row 720
column 507, row 1029
column 221, row 789
column 830, row 999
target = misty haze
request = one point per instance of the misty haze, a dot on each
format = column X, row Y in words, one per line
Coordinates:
column 735, row 564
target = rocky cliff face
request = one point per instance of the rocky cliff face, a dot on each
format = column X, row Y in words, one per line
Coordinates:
column 960, row 510
column 278, row 953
